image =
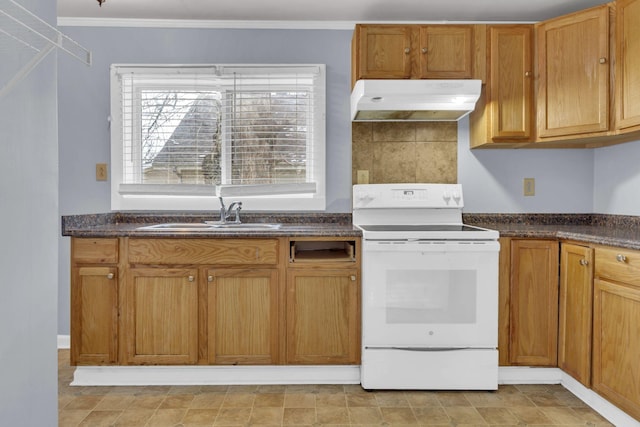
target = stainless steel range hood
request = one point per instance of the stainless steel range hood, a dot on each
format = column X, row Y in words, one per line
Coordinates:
column 413, row 100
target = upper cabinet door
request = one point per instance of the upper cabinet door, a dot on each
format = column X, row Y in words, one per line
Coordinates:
column 446, row 51
column 383, row 51
column 628, row 63
column 573, row 66
column 511, row 82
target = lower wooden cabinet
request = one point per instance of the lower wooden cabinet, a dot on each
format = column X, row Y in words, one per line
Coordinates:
column 616, row 328
column 533, row 317
column 576, row 303
column 242, row 316
column 94, row 315
column 323, row 316
column 145, row 301
column 160, row 316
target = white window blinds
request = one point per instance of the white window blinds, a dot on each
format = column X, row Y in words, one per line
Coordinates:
column 245, row 129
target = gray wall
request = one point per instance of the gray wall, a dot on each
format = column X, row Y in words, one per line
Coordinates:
column 566, row 180
column 29, row 250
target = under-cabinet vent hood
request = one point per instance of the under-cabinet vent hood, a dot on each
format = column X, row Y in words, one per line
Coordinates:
column 413, row 100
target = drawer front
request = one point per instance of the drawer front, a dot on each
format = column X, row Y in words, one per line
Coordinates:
column 101, row 251
column 203, row 251
column 620, row 265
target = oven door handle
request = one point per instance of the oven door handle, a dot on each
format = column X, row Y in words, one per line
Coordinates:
column 424, row 349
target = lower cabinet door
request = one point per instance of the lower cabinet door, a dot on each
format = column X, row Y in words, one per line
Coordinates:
column 161, row 316
column 616, row 344
column 576, row 305
column 323, row 316
column 94, row 315
column 242, row 316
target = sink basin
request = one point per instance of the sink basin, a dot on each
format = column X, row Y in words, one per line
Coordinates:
column 210, row 226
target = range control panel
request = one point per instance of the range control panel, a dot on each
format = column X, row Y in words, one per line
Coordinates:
column 369, row 196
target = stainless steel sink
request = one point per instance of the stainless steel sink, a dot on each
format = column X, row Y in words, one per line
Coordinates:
column 208, row 226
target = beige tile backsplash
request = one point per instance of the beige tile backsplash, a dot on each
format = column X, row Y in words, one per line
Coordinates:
column 405, row 152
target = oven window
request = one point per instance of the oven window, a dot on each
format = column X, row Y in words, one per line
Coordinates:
column 431, row 296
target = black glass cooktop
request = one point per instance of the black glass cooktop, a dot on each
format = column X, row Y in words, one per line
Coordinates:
column 425, row 227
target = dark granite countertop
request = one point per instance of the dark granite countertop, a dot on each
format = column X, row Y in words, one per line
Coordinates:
column 120, row 224
column 612, row 230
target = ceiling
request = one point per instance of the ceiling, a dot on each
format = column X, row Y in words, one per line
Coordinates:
column 318, row 12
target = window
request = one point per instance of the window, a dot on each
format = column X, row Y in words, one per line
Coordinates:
column 183, row 135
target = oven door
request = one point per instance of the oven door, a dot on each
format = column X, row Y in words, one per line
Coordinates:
column 434, row 295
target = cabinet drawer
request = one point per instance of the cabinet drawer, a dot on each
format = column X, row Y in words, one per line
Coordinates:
column 619, row 265
column 103, row 251
column 203, row 251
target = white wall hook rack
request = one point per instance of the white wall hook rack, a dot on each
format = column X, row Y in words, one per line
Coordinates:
column 26, row 39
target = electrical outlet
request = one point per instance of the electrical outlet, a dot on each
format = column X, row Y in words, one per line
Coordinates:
column 101, row 171
column 529, row 187
column 362, row 176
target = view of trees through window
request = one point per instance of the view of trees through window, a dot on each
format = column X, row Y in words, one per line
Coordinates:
column 224, row 137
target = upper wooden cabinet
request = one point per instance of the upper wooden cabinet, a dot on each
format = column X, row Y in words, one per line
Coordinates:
column 504, row 113
column 573, row 74
column 413, row 51
column 627, row 76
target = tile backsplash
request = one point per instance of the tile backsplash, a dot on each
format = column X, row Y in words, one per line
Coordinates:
column 405, row 152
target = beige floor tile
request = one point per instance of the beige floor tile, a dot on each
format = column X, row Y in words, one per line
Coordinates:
column 84, row 402
column 332, row 415
column 330, row 389
column 269, row 400
column 244, row 389
column 233, row 416
column 545, row 399
column 453, row 399
column 167, row 417
column 587, row 414
column 100, row 419
column 134, row 418
column 529, row 415
column 562, row 415
column 271, row 388
column 200, row 417
column 398, row 416
column 299, row 400
column 301, row 388
column 365, row 415
column 177, row 401
column 207, row 401
column 421, row 399
column 431, row 416
column 335, row 399
column 464, row 415
column 299, row 416
column 358, row 400
column 497, row 416
column 63, row 400
column 115, row 402
column 71, row 417
column 267, row 416
column 146, row 402
column 392, row 399
column 239, row 400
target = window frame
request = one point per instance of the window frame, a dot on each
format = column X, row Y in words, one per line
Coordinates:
column 282, row 197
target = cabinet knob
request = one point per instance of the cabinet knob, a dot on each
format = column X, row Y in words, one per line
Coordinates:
column 527, row 73
column 209, row 278
column 425, row 50
column 191, row 278
column 353, row 278
column 621, row 258
column 110, row 276
column 603, row 60
column 584, row 262
column 407, row 50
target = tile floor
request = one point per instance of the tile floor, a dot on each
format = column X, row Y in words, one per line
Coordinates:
column 314, row 405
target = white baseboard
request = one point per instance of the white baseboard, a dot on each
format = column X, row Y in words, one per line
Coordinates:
column 64, row 342
column 215, row 375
